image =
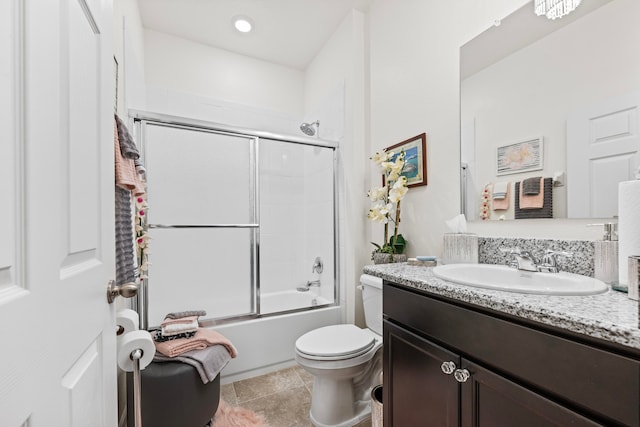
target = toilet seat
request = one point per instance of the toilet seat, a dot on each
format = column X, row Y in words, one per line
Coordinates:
column 335, row 342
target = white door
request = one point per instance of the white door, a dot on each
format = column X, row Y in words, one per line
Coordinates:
column 57, row 335
column 603, row 149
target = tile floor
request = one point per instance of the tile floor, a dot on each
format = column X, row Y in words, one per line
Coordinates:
column 283, row 397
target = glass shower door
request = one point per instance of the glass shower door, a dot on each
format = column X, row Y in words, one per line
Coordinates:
column 297, row 225
column 202, row 221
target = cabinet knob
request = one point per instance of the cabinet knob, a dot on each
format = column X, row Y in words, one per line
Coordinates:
column 461, row 375
column 448, row 367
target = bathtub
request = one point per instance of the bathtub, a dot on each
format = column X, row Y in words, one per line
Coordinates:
column 276, row 302
column 267, row 343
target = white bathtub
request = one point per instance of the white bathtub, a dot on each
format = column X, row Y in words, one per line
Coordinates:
column 267, row 344
column 275, row 302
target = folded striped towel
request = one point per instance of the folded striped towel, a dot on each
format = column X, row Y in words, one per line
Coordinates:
column 500, row 190
column 202, row 339
column 186, row 313
column 179, row 326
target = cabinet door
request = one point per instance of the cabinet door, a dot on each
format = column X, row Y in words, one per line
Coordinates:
column 489, row 400
column 416, row 391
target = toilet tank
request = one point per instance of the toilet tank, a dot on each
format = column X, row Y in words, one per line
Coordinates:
column 372, row 302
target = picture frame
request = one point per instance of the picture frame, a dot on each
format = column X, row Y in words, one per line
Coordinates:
column 415, row 161
column 518, row 157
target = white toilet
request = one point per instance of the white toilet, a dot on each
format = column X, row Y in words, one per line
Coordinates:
column 346, row 362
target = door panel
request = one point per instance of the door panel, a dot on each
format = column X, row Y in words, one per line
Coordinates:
column 418, row 392
column 603, row 148
column 58, row 257
column 489, row 400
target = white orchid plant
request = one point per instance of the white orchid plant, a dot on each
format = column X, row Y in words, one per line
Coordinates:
column 386, row 200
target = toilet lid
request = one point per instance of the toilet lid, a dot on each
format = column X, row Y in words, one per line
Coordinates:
column 335, row 342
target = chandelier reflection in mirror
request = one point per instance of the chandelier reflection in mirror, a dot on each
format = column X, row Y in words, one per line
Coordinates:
column 553, row 9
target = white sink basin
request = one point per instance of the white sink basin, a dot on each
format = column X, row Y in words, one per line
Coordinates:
column 503, row 278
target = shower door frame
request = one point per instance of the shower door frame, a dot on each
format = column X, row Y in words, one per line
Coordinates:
column 140, row 118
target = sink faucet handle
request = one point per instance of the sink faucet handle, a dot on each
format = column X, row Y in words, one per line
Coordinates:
column 549, row 263
column 551, row 252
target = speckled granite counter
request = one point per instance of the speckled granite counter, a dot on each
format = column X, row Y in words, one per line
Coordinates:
column 610, row 316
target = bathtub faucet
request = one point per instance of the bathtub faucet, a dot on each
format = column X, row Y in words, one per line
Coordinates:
column 311, row 283
column 308, row 285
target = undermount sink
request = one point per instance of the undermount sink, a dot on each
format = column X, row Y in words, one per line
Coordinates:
column 503, row 278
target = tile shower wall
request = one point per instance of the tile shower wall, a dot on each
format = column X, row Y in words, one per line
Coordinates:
column 296, row 216
column 582, row 261
column 281, row 216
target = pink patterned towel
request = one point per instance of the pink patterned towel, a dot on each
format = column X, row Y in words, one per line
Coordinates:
column 202, row 339
column 126, row 175
column 532, row 202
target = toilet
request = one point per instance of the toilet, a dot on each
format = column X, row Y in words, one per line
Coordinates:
column 346, row 362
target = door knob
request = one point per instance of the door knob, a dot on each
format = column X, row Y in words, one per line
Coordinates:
column 448, row 367
column 461, row 375
column 126, row 290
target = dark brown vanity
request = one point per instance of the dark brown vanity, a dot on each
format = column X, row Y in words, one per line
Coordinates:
column 450, row 362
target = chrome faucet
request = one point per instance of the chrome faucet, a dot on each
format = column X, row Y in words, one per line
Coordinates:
column 549, row 263
column 311, row 283
column 308, row 285
column 523, row 260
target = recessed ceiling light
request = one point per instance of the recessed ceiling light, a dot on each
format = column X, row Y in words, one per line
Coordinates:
column 242, row 23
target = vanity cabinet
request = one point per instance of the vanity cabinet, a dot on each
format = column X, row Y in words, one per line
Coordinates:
column 504, row 371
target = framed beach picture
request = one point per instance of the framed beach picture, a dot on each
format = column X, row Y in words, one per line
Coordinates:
column 415, row 159
column 521, row 156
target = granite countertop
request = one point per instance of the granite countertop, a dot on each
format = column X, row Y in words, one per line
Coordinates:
column 611, row 316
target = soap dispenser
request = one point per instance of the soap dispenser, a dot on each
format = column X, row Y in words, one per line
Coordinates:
column 606, row 255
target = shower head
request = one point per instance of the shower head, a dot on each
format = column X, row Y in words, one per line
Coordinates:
column 308, row 129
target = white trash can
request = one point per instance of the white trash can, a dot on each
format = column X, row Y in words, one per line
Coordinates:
column 376, row 406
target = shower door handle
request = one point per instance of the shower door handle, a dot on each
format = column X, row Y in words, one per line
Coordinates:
column 126, row 290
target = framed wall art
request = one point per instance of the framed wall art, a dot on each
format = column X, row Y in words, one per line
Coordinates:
column 415, row 159
column 521, row 156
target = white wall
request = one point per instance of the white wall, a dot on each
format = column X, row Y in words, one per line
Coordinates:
column 415, row 88
column 181, row 65
column 340, row 67
column 128, row 49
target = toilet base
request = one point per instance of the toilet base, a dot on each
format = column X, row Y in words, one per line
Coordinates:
column 362, row 414
column 342, row 399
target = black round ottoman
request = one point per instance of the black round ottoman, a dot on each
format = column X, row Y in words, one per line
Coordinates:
column 173, row 395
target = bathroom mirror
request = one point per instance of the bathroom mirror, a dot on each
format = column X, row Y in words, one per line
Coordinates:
column 571, row 79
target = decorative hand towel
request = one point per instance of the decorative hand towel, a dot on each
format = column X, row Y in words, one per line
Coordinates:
column 208, row 362
column 502, row 204
column 125, row 261
column 125, row 169
column 157, row 336
column 532, row 202
column 531, row 186
column 187, row 320
column 168, row 330
column 128, row 146
column 178, row 326
column 203, row 339
column 547, row 209
column 186, row 313
column 500, row 190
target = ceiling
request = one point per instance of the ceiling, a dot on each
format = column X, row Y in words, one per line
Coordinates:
column 286, row 32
